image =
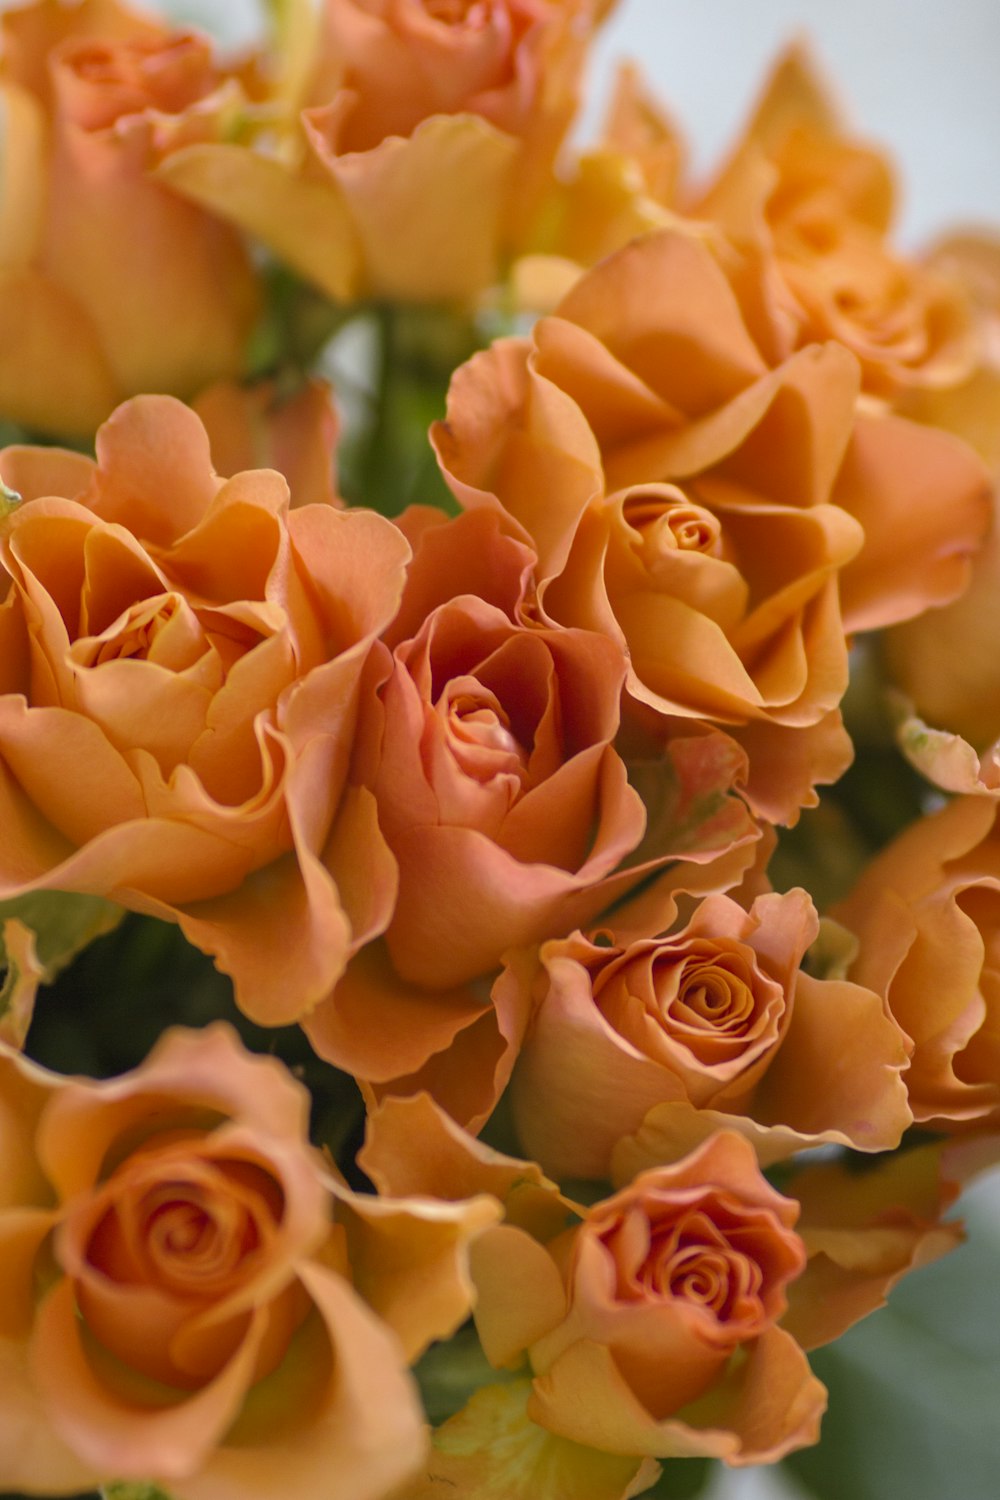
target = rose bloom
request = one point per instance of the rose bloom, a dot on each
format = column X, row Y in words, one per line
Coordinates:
column 182, row 665
column 509, row 810
column 632, row 1319
column 415, row 108
column 490, row 754
column 668, row 1038
column 723, row 521
column 178, row 1304
column 926, row 912
column 817, row 205
column 149, row 291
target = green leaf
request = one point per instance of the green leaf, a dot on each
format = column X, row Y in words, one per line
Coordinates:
column 492, row 1450
column 62, row 923
column 39, row 935
column 915, row 1389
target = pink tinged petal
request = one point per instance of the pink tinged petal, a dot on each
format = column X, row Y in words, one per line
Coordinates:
column 340, row 1415
column 361, row 863
column 466, row 900
column 408, row 202
column 923, row 499
column 469, row 1075
column 766, row 1406
column 253, row 427
column 410, row 1261
column 495, row 566
column 788, row 762
column 466, row 1078
column 305, row 221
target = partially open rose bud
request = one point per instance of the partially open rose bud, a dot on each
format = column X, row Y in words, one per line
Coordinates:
column 667, row 1293
column 639, row 1049
column 178, row 1303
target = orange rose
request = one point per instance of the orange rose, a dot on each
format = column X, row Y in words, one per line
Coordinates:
column 664, row 1269
column 816, row 206
column 927, row 914
column 508, row 810
column 706, row 511
column 637, row 1050
column 415, row 105
column 149, row 292
column 178, row 1305
column 491, row 759
column 182, row 664
column 632, row 1320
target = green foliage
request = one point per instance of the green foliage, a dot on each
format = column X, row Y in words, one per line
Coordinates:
column 915, row 1390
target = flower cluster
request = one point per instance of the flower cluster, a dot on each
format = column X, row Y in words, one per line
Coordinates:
column 468, row 780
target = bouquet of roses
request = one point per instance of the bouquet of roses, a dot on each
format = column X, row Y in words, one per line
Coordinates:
column 439, row 1054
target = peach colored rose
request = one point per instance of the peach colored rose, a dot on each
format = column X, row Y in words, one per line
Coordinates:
column 816, row 206
column 926, row 912
column 150, row 292
column 508, row 810
column 498, row 788
column 633, row 1318
column 416, row 107
column 638, row 1050
column 972, row 407
column 705, row 511
column 861, row 1232
column 179, row 1303
column 182, row 665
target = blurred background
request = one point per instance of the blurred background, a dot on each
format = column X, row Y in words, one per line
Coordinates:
column 916, row 75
